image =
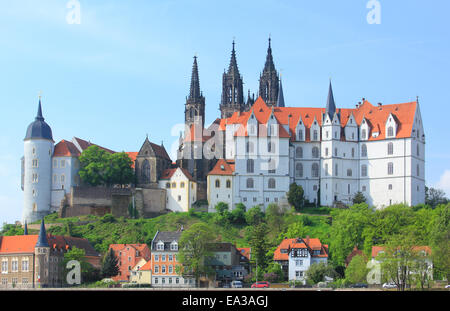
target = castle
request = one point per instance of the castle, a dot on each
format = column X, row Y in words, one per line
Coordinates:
column 253, row 152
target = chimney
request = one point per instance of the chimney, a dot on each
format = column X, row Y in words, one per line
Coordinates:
column 307, row 239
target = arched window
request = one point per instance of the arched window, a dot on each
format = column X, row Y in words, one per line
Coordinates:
column 315, row 152
column 390, row 131
column 364, row 150
column 145, row 173
column 299, row 152
column 168, row 185
column 250, row 166
column 364, row 170
column 315, row 135
column 300, row 135
column 299, row 170
column 390, row 168
column 217, row 183
column 191, row 113
column 315, row 170
column 228, row 184
column 250, row 184
column 390, row 148
column 270, row 147
column 271, row 183
column 249, row 147
column 363, row 134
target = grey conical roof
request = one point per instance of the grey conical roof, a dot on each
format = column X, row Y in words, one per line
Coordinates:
column 194, row 92
column 269, row 66
column 233, row 68
column 280, row 100
column 42, row 239
column 331, row 106
column 39, row 128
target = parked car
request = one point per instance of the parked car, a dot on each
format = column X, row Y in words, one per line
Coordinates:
column 236, row 284
column 359, row 285
column 447, row 286
column 389, row 285
column 261, row 284
column 226, row 286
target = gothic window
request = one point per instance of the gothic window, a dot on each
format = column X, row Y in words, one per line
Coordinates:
column 364, row 170
column 250, row 183
column 217, row 183
column 390, row 148
column 299, row 152
column 250, row 166
column 249, row 147
column 300, row 135
column 271, row 183
column 417, row 150
column 315, row 135
column 315, row 170
column 191, row 113
column 271, row 166
column 364, row 150
column 145, row 174
column 228, row 184
column 390, row 168
column 390, row 131
column 363, row 134
column 299, row 170
column 315, row 152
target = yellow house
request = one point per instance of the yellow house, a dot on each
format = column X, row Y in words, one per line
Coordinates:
column 141, row 273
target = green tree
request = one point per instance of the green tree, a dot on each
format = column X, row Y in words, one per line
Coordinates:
column 238, row 214
column 93, row 165
column 434, row 197
column 274, row 217
column 110, row 265
column 356, row 271
column 440, row 241
column 317, row 272
column 221, row 208
column 254, row 216
column 359, row 198
column 193, row 250
column 295, row 196
column 119, row 171
column 257, row 237
column 88, row 272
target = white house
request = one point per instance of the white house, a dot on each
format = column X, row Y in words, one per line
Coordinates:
column 220, row 184
column 181, row 189
column 296, row 256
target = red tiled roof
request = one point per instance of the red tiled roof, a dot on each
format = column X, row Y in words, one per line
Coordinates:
column 310, row 243
column 377, row 249
column 376, row 116
column 228, row 168
column 132, row 156
column 168, row 173
column 147, row 266
column 160, row 151
column 66, row 149
column 244, row 251
column 86, row 144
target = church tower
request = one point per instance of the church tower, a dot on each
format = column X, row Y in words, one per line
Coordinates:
column 232, row 89
column 269, row 81
column 37, row 168
column 195, row 104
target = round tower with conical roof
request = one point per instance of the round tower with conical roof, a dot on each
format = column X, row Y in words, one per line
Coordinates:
column 37, row 169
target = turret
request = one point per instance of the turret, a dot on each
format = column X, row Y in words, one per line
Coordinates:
column 37, row 169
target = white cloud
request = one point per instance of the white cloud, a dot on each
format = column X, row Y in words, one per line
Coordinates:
column 444, row 182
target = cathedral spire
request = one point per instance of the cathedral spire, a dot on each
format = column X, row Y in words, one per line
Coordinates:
column 39, row 112
column 42, row 238
column 331, row 106
column 280, row 100
column 194, row 92
column 233, row 68
column 268, row 81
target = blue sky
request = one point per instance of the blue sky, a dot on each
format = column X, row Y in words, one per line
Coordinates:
column 124, row 71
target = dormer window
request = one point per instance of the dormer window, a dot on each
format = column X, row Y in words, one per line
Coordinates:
column 160, row 246
column 174, row 246
column 390, row 131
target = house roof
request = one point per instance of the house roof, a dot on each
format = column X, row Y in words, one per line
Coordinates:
column 244, row 251
column 66, row 149
column 311, row 244
column 167, row 236
column 120, row 247
column 223, row 167
column 168, row 173
column 83, row 145
column 27, row 243
column 147, row 266
column 377, row 249
column 289, row 117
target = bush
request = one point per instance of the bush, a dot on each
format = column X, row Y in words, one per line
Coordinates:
column 108, row 218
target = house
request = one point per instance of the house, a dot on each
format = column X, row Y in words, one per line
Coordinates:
column 421, row 250
column 129, row 255
column 164, row 261
column 296, row 256
column 228, row 262
column 220, row 184
column 33, row 261
column 181, row 189
column 142, row 272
